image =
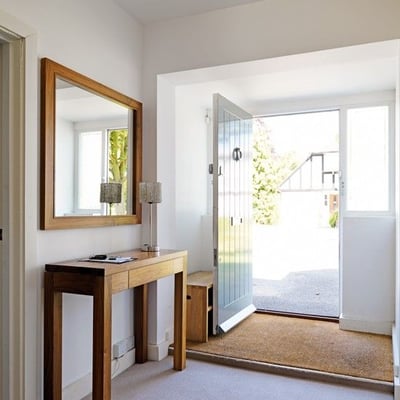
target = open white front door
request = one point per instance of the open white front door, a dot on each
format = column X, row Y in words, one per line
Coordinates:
column 232, row 214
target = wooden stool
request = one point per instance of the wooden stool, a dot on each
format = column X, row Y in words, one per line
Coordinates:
column 199, row 305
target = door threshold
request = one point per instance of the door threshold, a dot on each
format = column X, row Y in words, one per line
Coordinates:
column 299, row 315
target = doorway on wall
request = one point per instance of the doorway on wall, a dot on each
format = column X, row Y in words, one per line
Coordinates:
column 296, row 213
column 314, row 81
column 2, row 211
column 12, row 245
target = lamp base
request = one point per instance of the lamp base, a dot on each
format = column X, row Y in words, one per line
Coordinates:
column 149, row 248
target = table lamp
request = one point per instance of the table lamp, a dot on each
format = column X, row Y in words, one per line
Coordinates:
column 150, row 193
column 110, row 193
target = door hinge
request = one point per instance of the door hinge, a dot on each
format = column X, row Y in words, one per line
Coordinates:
column 211, row 169
column 1, row 234
column 215, row 258
column 236, row 221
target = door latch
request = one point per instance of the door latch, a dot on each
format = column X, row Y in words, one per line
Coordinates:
column 1, row 234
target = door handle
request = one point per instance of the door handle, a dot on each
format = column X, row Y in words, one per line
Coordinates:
column 237, row 154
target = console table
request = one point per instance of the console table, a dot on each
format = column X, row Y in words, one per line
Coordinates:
column 102, row 280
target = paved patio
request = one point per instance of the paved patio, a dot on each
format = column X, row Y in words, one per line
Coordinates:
column 296, row 270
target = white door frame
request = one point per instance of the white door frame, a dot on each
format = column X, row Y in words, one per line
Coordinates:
column 17, row 45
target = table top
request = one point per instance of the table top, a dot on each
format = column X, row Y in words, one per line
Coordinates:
column 142, row 259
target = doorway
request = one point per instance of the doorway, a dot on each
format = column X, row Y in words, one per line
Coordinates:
column 12, row 244
column 296, row 211
column 295, row 197
column 184, row 126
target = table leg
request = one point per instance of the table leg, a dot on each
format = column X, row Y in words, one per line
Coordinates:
column 52, row 380
column 180, row 322
column 141, row 322
column 102, row 339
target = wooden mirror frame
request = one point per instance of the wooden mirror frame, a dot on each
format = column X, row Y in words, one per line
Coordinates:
column 51, row 70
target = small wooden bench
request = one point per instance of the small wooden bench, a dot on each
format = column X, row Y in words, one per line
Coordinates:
column 199, row 305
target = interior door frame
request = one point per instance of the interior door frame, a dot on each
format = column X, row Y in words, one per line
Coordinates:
column 313, row 109
column 12, row 282
column 18, row 91
column 342, row 104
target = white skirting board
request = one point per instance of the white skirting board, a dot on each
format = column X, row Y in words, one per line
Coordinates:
column 378, row 327
column 83, row 386
column 396, row 388
column 157, row 352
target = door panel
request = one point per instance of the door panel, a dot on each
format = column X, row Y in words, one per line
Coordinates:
column 232, row 209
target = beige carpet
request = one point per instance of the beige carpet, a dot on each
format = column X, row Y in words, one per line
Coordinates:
column 303, row 343
column 210, row 381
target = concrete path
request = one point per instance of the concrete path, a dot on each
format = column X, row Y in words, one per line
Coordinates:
column 296, row 269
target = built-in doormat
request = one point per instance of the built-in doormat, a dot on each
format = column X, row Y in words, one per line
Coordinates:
column 305, row 343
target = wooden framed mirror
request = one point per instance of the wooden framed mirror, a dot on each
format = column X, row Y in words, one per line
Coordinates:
column 91, row 136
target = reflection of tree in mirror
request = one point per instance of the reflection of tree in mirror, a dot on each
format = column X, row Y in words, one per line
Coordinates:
column 118, row 164
column 269, row 171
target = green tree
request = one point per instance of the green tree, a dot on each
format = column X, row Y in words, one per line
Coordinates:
column 118, row 162
column 269, row 171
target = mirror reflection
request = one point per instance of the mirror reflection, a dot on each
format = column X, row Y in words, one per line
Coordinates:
column 91, row 152
column 92, row 147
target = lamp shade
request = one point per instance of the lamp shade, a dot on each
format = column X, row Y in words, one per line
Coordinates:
column 150, row 192
column 110, row 192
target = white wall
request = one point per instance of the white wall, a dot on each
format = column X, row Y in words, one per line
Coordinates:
column 265, row 29
column 368, row 275
column 191, row 176
column 64, row 174
column 396, row 327
column 102, row 42
column 256, row 31
column 252, row 32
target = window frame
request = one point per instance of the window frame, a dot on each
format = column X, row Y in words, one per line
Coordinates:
column 104, row 127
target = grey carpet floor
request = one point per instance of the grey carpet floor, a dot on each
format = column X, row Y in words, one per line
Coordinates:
column 205, row 381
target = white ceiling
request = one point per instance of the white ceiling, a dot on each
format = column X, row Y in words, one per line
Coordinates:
column 338, row 72
column 156, row 10
column 77, row 105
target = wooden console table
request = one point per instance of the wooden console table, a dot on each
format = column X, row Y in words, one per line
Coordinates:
column 102, row 280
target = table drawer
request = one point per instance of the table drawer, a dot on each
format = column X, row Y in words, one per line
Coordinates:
column 153, row 272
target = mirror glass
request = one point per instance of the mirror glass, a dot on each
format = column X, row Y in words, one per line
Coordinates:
column 91, row 152
column 91, row 147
